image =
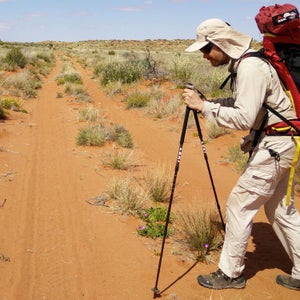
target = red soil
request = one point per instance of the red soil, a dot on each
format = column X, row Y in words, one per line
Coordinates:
column 54, row 245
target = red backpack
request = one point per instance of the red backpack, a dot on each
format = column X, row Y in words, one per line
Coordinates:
column 280, row 25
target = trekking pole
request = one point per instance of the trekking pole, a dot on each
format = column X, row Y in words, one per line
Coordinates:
column 183, row 132
column 208, row 167
column 192, row 87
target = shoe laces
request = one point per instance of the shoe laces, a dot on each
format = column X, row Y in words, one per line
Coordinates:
column 219, row 273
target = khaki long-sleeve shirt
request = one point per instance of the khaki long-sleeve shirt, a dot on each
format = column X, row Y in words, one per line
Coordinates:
column 256, row 82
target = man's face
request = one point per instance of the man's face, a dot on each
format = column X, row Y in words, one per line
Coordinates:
column 215, row 55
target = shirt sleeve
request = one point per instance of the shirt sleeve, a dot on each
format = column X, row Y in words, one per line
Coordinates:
column 249, row 91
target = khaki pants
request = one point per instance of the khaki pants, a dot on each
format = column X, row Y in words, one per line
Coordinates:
column 264, row 182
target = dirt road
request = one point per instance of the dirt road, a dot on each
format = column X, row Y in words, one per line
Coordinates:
column 54, row 245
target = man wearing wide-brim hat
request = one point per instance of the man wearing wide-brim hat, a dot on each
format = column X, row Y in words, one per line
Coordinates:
column 264, row 180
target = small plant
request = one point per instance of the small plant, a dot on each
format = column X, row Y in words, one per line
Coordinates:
column 155, row 219
column 137, row 100
column 92, row 136
column 10, row 104
column 69, row 78
column 158, row 184
column 90, row 114
column 24, row 81
column 59, row 95
column 121, row 136
column 213, row 130
column 200, row 230
column 238, row 157
column 159, row 108
column 128, row 198
column 119, row 160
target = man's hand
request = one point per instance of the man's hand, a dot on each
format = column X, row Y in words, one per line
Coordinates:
column 192, row 99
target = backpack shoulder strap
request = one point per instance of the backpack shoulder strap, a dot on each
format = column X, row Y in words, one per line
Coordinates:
column 232, row 74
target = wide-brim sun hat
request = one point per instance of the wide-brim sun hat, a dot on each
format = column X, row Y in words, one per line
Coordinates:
column 224, row 36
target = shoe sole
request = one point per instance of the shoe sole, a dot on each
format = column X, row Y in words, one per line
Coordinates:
column 280, row 282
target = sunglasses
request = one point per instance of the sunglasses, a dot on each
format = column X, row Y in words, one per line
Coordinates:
column 207, row 48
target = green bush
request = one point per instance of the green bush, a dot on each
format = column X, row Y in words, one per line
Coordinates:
column 118, row 160
column 10, row 104
column 69, row 78
column 155, row 221
column 137, row 100
column 181, row 70
column 91, row 136
column 15, row 57
column 200, row 230
column 237, row 156
column 121, row 136
column 127, row 72
column 213, row 130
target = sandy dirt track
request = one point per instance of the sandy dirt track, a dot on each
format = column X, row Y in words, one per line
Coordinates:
column 54, row 245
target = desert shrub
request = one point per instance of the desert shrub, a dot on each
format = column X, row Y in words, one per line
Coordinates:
column 73, row 77
column 125, row 72
column 119, row 160
column 91, row 136
column 90, row 114
column 128, row 198
column 200, row 229
column 237, row 156
column 213, row 130
column 97, row 135
column 14, row 58
column 10, row 103
column 158, row 183
column 181, row 70
column 137, row 100
column 114, row 88
column 45, row 56
column 121, row 136
column 83, row 98
column 42, row 61
column 159, row 108
column 25, row 82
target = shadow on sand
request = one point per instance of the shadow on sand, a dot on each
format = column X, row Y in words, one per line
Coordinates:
column 268, row 252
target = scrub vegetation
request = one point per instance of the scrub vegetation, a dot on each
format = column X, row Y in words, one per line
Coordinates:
column 143, row 76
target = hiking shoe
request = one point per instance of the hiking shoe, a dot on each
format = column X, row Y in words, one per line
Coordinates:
column 288, row 282
column 218, row 280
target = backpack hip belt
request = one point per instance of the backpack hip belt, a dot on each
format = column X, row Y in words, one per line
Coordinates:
column 283, row 129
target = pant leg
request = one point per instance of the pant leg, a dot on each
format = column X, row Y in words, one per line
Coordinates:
column 254, row 188
column 285, row 221
column 242, row 205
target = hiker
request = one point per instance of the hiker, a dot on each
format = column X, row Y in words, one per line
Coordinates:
column 265, row 178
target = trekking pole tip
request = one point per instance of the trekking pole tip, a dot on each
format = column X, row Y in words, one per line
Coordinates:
column 156, row 293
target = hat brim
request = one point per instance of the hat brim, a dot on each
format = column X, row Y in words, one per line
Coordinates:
column 196, row 46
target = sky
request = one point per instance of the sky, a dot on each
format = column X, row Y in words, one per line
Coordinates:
column 75, row 20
